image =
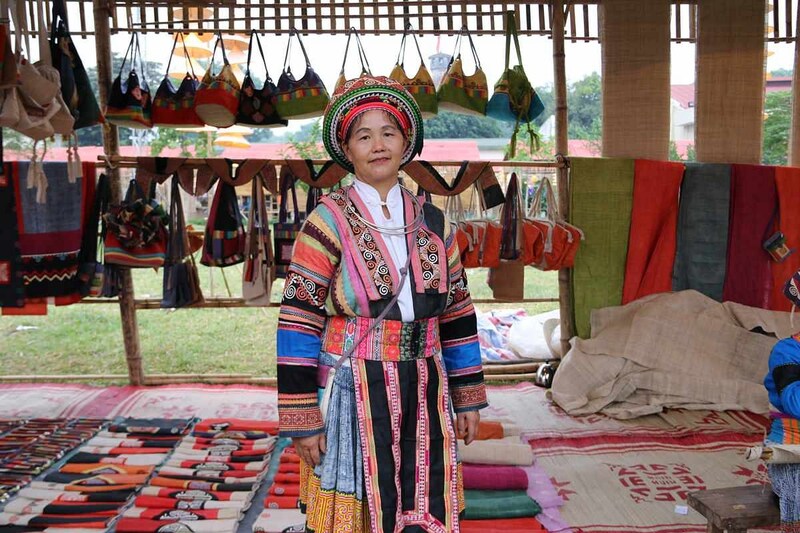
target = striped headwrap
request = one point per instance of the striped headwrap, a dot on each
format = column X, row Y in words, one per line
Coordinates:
column 363, row 94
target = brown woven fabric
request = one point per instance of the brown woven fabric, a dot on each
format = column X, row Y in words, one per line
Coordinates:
column 730, row 81
column 636, row 64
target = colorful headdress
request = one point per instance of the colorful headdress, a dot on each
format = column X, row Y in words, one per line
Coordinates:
column 363, row 94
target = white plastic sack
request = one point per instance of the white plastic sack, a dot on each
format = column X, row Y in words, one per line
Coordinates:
column 536, row 337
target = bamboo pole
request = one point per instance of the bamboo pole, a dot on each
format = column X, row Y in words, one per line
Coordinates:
column 794, row 140
column 562, row 176
column 130, row 329
column 131, row 162
column 510, row 368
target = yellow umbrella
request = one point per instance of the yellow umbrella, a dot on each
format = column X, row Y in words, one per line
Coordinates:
column 198, row 129
column 192, row 13
column 236, row 43
column 231, row 140
column 196, row 48
column 236, row 130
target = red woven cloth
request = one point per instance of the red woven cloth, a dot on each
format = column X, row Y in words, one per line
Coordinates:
column 748, row 278
column 528, row 525
column 491, row 477
column 787, row 181
column 654, row 222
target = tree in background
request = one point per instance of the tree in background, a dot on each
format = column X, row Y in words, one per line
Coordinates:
column 777, row 123
column 202, row 143
column 549, row 100
column 307, row 143
column 584, row 105
column 448, row 125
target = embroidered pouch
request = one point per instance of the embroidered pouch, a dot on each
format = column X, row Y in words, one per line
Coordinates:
column 217, row 98
column 461, row 93
column 176, row 107
column 303, row 98
column 257, row 107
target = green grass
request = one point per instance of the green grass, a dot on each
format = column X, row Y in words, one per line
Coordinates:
column 87, row 338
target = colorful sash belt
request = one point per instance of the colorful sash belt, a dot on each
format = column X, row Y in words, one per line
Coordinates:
column 391, row 340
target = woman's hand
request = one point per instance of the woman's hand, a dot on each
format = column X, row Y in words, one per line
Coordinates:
column 467, row 425
column 310, row 448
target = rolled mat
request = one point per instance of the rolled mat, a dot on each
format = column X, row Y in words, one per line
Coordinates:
column 492, row 477
column 748, row 274
column 703, row 229
column 654, row 223
column 509, row 451
column 481, row 504
column 787, row 182
column 601, row 195
column 526, row 525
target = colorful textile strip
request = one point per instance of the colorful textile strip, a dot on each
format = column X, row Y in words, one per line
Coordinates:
column 748, row 272
column 12, row 291
column 784, row 430
column 390, row 340
column 419, row 454
column 654, row 221
column 787, row 182
column 482, row 504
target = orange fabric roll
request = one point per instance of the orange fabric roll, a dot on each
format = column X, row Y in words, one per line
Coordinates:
column 653, row 230
column 787, row 181
column 490, row 430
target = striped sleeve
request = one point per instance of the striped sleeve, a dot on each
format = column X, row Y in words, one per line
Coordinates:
column 301, row 320
column 459, row 333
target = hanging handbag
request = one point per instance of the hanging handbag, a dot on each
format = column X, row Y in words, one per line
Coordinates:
column 257, row 106
column 91, row 271
column 507, row 280
column 62, row 121
column 421, row 86
column 303, row 98
column 285, row 231
column 217, row 99
column 483, row 238
column 514, row 99
column 181, row 284
column 561, row 240
column 362, row 56
column 259, row 265
column 460, row 93
column 75, row 86
column 224, row 241
column 129, row 103
column 136, row 233
column 176, row 107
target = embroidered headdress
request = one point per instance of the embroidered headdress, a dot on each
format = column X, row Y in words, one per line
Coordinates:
column 363, row 94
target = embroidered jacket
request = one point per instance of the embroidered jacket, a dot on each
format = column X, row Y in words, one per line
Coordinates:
column 783, row 379
column 341, row 268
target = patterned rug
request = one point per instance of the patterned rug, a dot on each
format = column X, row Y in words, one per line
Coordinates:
column 623, row 485
column 35, row 400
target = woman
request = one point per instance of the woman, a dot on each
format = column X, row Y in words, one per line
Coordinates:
column 384, row 459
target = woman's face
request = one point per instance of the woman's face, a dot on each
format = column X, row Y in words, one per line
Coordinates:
column 375, row 146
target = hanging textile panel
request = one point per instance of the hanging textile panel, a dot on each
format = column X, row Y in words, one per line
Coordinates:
column 636, row 78
column 50, row 232
column 729, row 100
column 654, row 223
column 754, row 202
column 787, row 182
column 11, row 284
column 601, row 195
column 703, row 229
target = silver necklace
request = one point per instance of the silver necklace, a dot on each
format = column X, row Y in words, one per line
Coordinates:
column 412, row 227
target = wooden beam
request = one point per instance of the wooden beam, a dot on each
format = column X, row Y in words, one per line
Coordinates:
column 130, row 329
column 562, row 176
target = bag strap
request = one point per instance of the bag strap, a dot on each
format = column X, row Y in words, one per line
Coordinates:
column 175, row 249
column 312, row 198
column 221, row 45
column 402, row 54
column 287, row 185
column 511, row 30
column 286, row 67
column 185, row 54
column 130, row 50
column 380, row 317
column 252, row 238
column 263, row 223
column 361, row 54
column 472, row 47
column 510, row 218
column 254, row 36
column 44, row 45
